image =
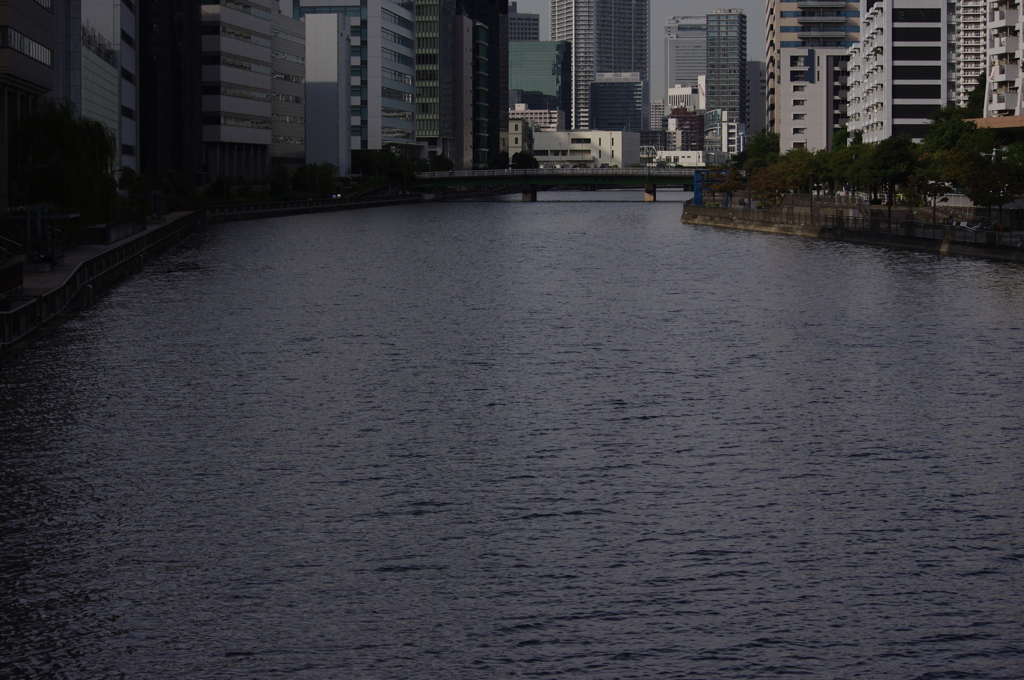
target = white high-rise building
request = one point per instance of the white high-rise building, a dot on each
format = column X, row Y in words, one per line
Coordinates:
column 902, row 70
column 607, row 36
column 971, row 52
column 686, row 45
column 806, row 48
column 1002, row 97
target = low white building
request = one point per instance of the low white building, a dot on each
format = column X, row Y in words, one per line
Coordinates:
column 520, row 137
column 687, row 159
column 693, row 98
column 586, row 148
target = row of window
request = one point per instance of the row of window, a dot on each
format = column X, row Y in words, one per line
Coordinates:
column 295, row 59
column 287, row 36
column 235, row 33
column 234, row 62
column 235, row 121
column 396, row 38
column 279, row 139
column 396, row 76
column 19, row 42
column 397, row 95
column 396, row 57
column 283, row 118
column 388, row 15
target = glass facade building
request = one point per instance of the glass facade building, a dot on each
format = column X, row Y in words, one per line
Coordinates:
column 619, row 101
column 727, row 62
column 542, row 72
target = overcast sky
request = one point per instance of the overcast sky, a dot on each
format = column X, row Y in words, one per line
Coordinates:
column 661, row 10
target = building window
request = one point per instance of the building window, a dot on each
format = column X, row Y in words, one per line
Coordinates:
column 799, row 88
column 799, row 131
column 799, row 116
column 799, row 145
column 799, row 102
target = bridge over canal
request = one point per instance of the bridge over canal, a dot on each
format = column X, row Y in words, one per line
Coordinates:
column 649, row 178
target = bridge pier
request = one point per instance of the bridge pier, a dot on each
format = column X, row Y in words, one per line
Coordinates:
column 650, row 192
column 530, row 193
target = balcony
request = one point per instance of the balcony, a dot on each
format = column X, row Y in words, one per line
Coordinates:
column 836, row 33
column 820, row 4
column 1003, row 17
column 1003, row 44
column 821, row 20
column 1003, row 72
column 1002, row 101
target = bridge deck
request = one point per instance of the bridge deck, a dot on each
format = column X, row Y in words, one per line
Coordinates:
column 550, row 176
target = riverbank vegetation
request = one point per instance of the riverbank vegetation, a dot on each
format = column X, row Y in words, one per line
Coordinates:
column 955, row 156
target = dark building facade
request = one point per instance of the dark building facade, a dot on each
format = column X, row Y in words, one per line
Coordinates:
column 493, row 14
column 26, row 70
column 727, row 62
column 619, row 101
column 435, row 75
column 170, row 87
column 542, row 72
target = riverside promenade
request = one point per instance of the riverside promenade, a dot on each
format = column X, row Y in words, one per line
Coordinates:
column 83, row 273
column 843, row 221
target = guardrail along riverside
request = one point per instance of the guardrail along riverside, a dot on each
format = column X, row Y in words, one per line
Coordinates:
column 28, row 310
column 847, row 223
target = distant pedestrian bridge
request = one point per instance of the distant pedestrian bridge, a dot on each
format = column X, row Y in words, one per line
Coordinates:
column 530, row 180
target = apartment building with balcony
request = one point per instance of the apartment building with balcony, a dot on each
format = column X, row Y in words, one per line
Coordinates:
column 806, row 69
column 1003, row 30
column 903, row 69
column 971, row 48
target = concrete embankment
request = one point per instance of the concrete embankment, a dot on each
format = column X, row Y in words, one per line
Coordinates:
column 933, row 238
column 47, row 298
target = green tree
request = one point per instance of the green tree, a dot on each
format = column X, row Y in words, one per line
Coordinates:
column 59, row 158
column 523, row 160
column 317, row 179
column 439, row 163
column 976, row 101
column 762, row 150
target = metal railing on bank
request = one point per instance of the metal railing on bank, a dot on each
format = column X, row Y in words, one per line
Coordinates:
column 21, row 315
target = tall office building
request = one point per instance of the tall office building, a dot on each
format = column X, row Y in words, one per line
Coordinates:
column 902, row 70
column 620, row 101
column 522, row 26
column 287, row 90
column 541, row 72
column 329, row 110
column 806, row 69
column 727, row 62
column 462, row 97
column 607, row 36
column 171, row 65
column 493, row 16
column 435, row 75
column 26, row 70
column 686, row 50
column 382, row 31
column 755, row 97
column 236, row 101
column 118, row 23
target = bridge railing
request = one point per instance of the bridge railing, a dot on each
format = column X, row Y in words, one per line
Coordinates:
column 561, row 172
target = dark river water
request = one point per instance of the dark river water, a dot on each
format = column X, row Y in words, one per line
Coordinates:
column 550, row 440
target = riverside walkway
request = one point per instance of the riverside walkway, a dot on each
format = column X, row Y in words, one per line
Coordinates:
column 531, row 179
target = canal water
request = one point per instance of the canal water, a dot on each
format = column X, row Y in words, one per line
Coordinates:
column 567, row 439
